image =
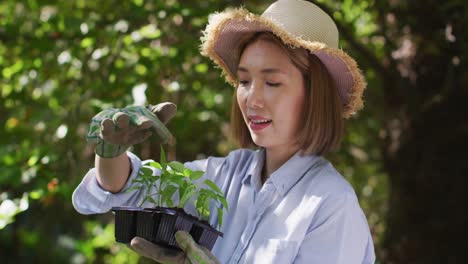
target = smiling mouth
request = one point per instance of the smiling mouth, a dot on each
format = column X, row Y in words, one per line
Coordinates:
column 257, row 125
column 262, row 121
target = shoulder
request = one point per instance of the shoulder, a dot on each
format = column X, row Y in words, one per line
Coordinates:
column 330, row 189
column 234, row 159
column 325, row 180
column 241, row 155
column 239, row 160
column 336, row 196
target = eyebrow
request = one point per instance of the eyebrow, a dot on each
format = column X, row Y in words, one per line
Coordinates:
column 267, row 70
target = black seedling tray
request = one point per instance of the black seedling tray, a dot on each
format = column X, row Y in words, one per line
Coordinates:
column 159, row 226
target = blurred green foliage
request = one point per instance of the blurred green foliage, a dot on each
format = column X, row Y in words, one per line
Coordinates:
column 61, row 62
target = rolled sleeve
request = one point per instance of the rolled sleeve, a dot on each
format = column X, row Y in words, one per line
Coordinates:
column 90, row 198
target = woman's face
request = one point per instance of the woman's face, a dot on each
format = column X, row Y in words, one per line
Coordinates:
column 270, row 95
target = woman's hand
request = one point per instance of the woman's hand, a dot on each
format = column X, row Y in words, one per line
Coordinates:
column 115, row 130
column 192, row 253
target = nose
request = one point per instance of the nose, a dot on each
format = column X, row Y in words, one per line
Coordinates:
column 255, row 95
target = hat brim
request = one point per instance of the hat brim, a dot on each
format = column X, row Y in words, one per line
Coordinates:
column 224, row 33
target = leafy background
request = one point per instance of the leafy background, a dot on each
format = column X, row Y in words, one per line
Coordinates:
column 61, row 62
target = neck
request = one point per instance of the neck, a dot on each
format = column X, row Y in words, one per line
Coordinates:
column 275, row 157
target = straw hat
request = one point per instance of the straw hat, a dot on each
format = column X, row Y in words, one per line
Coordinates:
column 297, row 23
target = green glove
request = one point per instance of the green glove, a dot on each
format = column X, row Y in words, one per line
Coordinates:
column 192, row 252
column 115, row 130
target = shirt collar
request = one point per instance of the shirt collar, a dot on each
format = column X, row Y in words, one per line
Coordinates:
column 292, row 171
column 283, row 178
column 254, row 171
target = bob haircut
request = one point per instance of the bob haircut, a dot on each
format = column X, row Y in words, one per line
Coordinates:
column 323, row 126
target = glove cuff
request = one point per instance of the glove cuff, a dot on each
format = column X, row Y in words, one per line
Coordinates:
column 107, row 150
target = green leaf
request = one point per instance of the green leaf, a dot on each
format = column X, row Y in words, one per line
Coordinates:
column 196, row 175
column 211, row 194
column 220, row 218
column 134, row 188
column 163, row 159
column 155, row 178
column 223, row 201
column 177, row 179
column 206, row 209
column 138, row 180
column 146, row 171
column 168, row 202
column 155, row 165
column 213, row 186
column 200, row 202
column 182, row 189
column 177, row 166
column 165, row 178
column 168, row 192
column 187, row 172
column 188, row 193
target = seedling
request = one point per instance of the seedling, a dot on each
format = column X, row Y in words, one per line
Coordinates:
column 175, row 178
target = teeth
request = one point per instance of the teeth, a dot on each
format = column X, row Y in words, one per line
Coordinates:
column 260, row 121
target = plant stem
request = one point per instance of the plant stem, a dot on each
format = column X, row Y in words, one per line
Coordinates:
column 144, row 200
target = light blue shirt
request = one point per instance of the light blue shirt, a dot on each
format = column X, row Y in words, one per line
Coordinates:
column 306, row 212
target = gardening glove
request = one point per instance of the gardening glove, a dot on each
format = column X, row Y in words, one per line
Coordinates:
column 115, row 130
column 192, row 253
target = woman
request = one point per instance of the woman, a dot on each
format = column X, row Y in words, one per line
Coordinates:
column 293, row 88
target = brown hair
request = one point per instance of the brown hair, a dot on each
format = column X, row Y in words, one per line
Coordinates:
column 323, row 128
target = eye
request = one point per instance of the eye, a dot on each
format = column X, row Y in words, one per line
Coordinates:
column 243, row 82
column 273, row 84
